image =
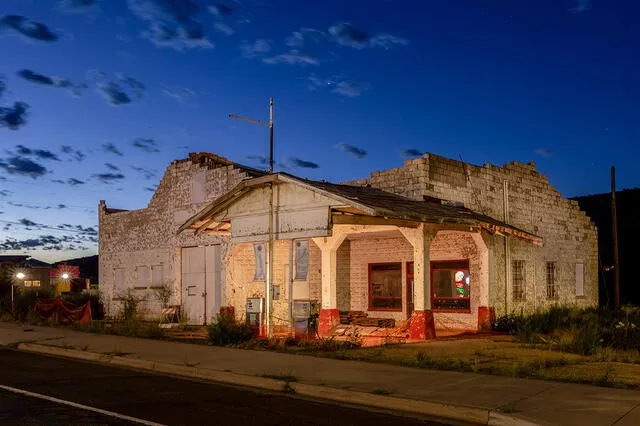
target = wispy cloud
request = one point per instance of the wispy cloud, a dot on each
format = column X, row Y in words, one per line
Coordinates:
column 41, row 154
column 544, row 152
column 108, row 178
column 257, row 48
column 260, row 159
column 75, row 154
column 146, row 144
column 181, row 94
column 348, row 88
column 346, row 34
column 18, row 165
column 174, row 24
column 27, row 28
column 144, row 173
column 359, row 153
column 122, row 91
column 580, row 6
column 411, row 152
column 70, row 182
column 294, row 162
column 78, row 6
column 112, row 166
column 74, row 89
column 299, row 38
column 111, row 148
column 293, row 57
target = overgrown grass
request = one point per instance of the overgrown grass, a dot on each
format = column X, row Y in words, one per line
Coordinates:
column 130, row 328
column 580, row 331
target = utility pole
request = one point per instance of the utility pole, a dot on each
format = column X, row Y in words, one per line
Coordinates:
column 614, row 239
column 270, row 259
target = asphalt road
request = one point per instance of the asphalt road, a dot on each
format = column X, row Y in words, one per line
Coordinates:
column 36, row 389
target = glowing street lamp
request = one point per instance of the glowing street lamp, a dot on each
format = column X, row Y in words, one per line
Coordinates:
column 65, row 276
column 20, row 276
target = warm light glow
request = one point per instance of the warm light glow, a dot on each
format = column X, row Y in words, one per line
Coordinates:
column 65, row 276
column 20, row 275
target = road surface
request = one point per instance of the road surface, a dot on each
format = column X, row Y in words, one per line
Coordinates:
column 38, row 389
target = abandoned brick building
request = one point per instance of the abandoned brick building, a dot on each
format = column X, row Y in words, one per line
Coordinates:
column 435, row 244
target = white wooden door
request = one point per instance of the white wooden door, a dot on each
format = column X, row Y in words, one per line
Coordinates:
column 193, row 283
column 201, row 283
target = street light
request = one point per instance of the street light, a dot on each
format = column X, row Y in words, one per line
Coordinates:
column 65, row 276
column 20, row 276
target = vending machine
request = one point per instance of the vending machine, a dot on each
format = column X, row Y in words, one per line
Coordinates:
column 254, row 312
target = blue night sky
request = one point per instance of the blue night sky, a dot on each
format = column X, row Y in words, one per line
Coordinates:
column 98, row 97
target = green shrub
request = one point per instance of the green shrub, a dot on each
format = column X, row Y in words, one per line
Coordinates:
column 225, row 330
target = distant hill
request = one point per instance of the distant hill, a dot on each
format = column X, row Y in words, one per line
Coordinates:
column 88, row 266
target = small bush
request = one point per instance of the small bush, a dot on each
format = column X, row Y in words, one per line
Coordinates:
column 225, row 330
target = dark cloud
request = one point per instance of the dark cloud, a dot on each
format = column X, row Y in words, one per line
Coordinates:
column 14, row 117
column 172, row 23
column 359, row 153
column 74, row 182
column 411, row 152
column 150, row 189
column 347, row 35
column 298, row 163
column 76, row 154
column 123, row 91
column 34, row 77
column 62, row 206
column 70, row 181
column 18, row 165
column 108, row 177
column 145, row 173
column 293, row 57
column 27, row 223
column 78, row 238
column 31, row 29
column 112, row 167
column 114, row 95
column 75, row 90
column 146, row 144
column 109, row 147
column 580, row 6
column 5, row 193
column 41, row 154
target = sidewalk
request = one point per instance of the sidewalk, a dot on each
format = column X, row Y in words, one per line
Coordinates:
column 470, row 395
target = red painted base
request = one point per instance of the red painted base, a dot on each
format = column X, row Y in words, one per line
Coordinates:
column 422, row 325
column 328, row 319
column 486, row 317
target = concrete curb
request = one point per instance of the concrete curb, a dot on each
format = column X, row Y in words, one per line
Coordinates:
column 432, row 409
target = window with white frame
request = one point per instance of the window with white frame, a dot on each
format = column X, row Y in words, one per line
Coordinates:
column 302, row 259
column 552, row 284
column 579, row 279
column 261, row 263
column 518, row 279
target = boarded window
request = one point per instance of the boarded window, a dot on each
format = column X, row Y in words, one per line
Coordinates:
column 385, row 287
column 260, row 256
column 198, row 181
column 142, row 274
column 302, row 259
column 119, row 281
column 552, row 289
column 156, row 276
column 518, row 279
column 579, row 279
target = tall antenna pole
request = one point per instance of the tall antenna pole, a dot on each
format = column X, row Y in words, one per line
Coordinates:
column 269, row 277
column 614, row 239
column 270, row 135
